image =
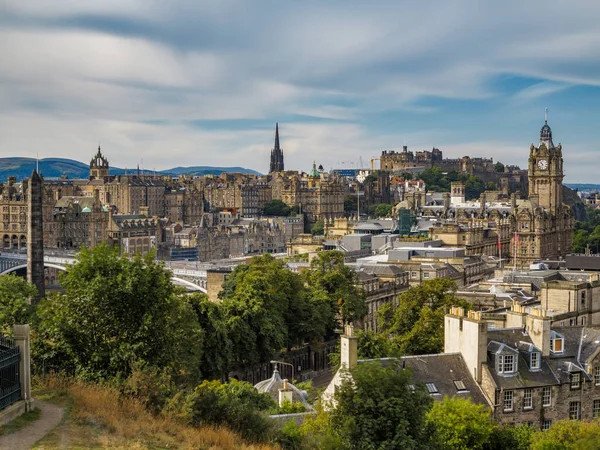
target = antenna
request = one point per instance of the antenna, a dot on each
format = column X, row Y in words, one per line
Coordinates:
column 546, row 115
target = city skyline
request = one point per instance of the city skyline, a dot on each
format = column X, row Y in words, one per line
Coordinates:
column 204, row 83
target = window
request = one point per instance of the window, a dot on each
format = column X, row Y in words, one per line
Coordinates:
column 508, row 400
column 546, row 425
column 596, row 409
column 535, row 360
column 528, row 399
column 597, row 375
column 556, row 342
column 506, row 364
column 574, row 411
column 431, row 388
column 425, row 274
column 547, row 396
column 460, row 386
column 575, row 380
column 583, row 299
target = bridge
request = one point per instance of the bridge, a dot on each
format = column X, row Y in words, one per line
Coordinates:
column 191, row 275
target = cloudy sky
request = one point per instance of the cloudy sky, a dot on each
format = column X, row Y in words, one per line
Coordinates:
column 195, row 82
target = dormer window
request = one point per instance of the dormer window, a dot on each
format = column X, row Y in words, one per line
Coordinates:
column 557, row 342
column 534, row 361
column 506, row 364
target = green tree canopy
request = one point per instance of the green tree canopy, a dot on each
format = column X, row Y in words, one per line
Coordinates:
column 416, row 325
column 318, row 229
column 460, row 424
column 377, row 409
column 350, row 204
column 15, row 294
column 568, row 435
column 115, row 311
column 276, row 208
column 383, row 210
column 499, row 167
column 331, row 281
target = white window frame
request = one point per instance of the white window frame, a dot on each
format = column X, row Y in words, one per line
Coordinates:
column 547, row 396
column 575, row 410
column 597, row 375
column 528, row 398
column 508, row 401
column 555, row 338
column 503, row 364
column 534, row 360
column 546, row 424
column 576, row 380
column 596, row 409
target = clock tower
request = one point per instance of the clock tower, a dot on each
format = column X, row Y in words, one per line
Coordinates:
column 545, row 172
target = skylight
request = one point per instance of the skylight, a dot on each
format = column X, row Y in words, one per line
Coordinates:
column 460, row 386
column 431, row 388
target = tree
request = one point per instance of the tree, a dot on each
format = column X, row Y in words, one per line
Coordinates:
column 15, row 294
column 568, row 435
column 372, row 345
column 276, row 208
column 318, row 229
column 376, row 409
column 416, row 325
column 580, row 241
column 460, row 424
column 406, row 175
column 499, row 167
column 330, row 280
column 217, row 350
column 116, row 311
column 491, row 186
column 350, row 204
column 383, row 210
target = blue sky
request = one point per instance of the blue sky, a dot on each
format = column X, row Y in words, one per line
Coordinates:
column 203, row 82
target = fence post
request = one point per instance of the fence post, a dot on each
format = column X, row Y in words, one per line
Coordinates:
column 21, row 335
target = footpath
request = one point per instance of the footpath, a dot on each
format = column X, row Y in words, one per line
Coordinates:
column 26, row 437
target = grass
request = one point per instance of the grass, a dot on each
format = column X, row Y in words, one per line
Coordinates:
column 20, row 422
column 98, row 418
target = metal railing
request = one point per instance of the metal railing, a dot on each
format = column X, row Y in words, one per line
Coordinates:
column 10, row 384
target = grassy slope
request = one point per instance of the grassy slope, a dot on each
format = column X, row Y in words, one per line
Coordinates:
column 98, row 419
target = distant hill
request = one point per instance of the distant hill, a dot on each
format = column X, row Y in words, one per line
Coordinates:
column 56, row 167
column 584, row 187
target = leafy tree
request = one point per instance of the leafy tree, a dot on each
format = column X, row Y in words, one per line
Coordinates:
column 383, row 210
column 511, row 438
column 217, row 347
column 318, row 229
column 377, row 409
column 491, row 186
column 267, row 308
column 407, row 175
column 416, row 325
column 372, row 345
column 461, row 424
column 580, row 241
column 330, row 280
column 15, row 294
column 276, row 208
column 350, row 204
column 568, row 435
column 499, row 167
column 116, row 311
column 235, row 404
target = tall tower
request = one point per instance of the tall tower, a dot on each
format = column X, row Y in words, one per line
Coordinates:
column 98, row 166
column 276, row 154
column 545, row 171
column 35, row 234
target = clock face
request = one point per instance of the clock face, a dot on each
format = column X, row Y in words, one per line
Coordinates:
column 543, row 164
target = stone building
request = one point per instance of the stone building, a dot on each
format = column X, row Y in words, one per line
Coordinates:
column 77, row 222
column 134, row 233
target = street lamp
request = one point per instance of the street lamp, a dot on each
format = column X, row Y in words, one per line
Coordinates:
column 287, row 364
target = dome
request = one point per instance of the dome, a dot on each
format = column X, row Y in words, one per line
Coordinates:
column 314, row 172
column 86, row 209
column 272, row 385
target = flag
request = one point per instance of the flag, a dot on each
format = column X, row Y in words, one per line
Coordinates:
column 499, row 244
column 516, row 239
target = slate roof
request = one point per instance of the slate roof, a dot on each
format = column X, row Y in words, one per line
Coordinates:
column 442, row 370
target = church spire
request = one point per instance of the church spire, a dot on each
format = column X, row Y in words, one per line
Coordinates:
column 276, row 154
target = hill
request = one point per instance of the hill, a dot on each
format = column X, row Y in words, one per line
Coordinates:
column 56, row 167
column 584, row 186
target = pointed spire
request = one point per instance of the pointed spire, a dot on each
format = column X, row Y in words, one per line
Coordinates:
column 276, row 136
column 546, row 115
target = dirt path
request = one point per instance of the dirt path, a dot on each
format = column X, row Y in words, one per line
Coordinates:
column 50, row 417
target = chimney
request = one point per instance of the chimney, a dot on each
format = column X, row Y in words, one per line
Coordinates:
column 513, row 202
column 144, row 210
column 285, row 393
column 349, row 348
column 446, row 196
column 538, row 327
column 467, row 336
column 457, row 188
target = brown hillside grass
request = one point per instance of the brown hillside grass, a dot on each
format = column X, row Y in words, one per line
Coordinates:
column 100, row 418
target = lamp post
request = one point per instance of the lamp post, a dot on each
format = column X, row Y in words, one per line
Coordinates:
column 287, row 364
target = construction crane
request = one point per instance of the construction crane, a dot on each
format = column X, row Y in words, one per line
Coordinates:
column 362, row 166
column 373, row 163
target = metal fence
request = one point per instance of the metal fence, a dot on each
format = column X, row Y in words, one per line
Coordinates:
column 10, row 385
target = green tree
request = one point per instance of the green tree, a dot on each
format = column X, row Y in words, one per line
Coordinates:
column 236, row 405
column 461, row 424
column 15, row 294
column 350, row 204
column 568, row 435
column 318, row 229
column 217, row 349
column 114, row 312
column 372, row 345
column 383, row 210
column 416, row 325
column 330, row 280
column 377, row 409
column 511, row 438
column 276, row 208
column 406, row 175
column 580, row 241
column 491, row 186
column 499, row 167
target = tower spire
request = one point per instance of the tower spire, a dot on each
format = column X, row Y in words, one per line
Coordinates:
column 546, row 115
column 276, row 137
column 276, row 153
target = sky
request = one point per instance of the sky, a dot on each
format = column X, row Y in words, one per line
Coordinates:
column 195, row 82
